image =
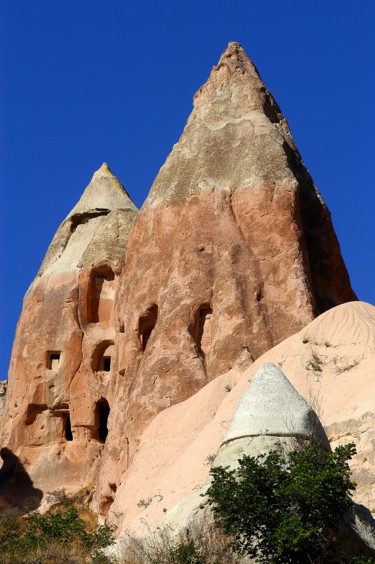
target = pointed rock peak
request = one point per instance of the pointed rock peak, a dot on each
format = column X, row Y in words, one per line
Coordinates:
column 104, row 170
column 235, row 85
column 235, row 59
column 234, row 136
column 105, row 192
column 272, row 406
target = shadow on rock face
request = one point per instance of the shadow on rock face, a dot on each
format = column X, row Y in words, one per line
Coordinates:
column 16, row 485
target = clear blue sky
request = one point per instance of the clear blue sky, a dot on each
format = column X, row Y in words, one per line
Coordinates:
column 88, row 81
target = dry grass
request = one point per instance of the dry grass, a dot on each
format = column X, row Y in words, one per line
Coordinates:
column 204, row 546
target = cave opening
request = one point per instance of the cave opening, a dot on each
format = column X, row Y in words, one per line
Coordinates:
column 53, row 360
column 68, row 428
column 101, row 416
column 102, row 357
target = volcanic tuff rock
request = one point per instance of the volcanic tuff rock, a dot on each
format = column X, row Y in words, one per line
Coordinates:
column 232, row 251
column 270, row 415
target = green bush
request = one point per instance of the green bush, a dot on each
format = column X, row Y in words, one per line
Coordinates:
column 284, row 511
column 34, row 533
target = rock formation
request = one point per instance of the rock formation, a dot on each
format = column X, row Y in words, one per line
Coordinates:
column 270, row 415
column 232, row 252
column 234, row 246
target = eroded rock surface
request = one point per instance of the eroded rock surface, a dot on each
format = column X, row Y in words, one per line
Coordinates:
column 272, row 407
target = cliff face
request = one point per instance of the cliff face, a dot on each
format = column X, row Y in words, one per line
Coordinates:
column 233, row 247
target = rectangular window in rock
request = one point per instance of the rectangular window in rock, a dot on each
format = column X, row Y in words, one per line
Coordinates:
column 53, row 360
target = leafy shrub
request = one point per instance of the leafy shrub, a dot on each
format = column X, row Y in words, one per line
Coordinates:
column 35, row 533
column 284, row 511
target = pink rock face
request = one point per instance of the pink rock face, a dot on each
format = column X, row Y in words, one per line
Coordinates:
column 233, row 247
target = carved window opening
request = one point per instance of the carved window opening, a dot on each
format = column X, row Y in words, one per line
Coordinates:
column 102, row 357
column 67, row 427
column 101, row 296
column 53, row 360
column 146, row 325
column 202, row 331
column 101, row 419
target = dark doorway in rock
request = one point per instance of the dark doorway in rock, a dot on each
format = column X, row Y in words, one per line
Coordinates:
column 101, row 418
column 107, row 363
column 202, row 329
column 146, row 325
column 68, row 428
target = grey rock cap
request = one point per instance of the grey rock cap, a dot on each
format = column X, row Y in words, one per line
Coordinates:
column 96, row 231
column 104, row 192
column 272, row 406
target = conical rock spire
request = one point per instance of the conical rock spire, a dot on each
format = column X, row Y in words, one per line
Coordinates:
column 236, row 87
column 235, row 137
column 234, row 248
column 95, row 231
column 105, row 192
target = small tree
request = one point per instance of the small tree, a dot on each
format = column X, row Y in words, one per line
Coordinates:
column 282, row 511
